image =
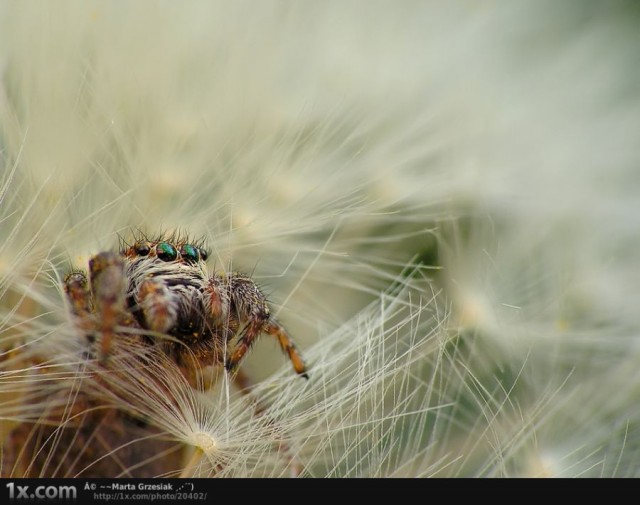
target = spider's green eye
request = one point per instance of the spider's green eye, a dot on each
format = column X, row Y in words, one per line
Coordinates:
column 166, row 252
column 203, row 254
column 189, row 253
column 141, row 248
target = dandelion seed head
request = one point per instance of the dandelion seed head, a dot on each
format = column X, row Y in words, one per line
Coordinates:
column 287, row 140
column 204, row 441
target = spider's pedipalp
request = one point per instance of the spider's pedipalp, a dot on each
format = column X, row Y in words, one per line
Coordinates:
column 156, row 303
column 217, row 298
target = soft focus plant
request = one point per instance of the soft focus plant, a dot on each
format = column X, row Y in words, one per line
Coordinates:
column 441, row 200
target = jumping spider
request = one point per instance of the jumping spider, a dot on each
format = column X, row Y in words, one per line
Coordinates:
column 162, row 287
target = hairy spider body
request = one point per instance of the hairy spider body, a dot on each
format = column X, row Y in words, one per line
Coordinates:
column 162, row 286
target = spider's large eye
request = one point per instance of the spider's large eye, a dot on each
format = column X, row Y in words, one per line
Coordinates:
column 166, row 252
column 141, row 248
column 203, row 254
column 189, row 253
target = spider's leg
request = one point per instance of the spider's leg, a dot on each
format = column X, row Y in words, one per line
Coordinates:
column 248, row 336
column 108, row 287
column 76, row 288
column 276, row 330
column 251, row 307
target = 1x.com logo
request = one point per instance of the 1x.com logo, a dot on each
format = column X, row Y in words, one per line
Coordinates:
column 17, row 492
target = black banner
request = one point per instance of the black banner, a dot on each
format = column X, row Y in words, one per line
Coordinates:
column 296, row 491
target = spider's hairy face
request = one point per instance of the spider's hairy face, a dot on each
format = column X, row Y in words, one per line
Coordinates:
column 166, row 281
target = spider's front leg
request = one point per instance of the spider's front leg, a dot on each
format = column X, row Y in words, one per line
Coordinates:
column 108, row 287
column 76, row 287
column 106, row 297
column 249, row 307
